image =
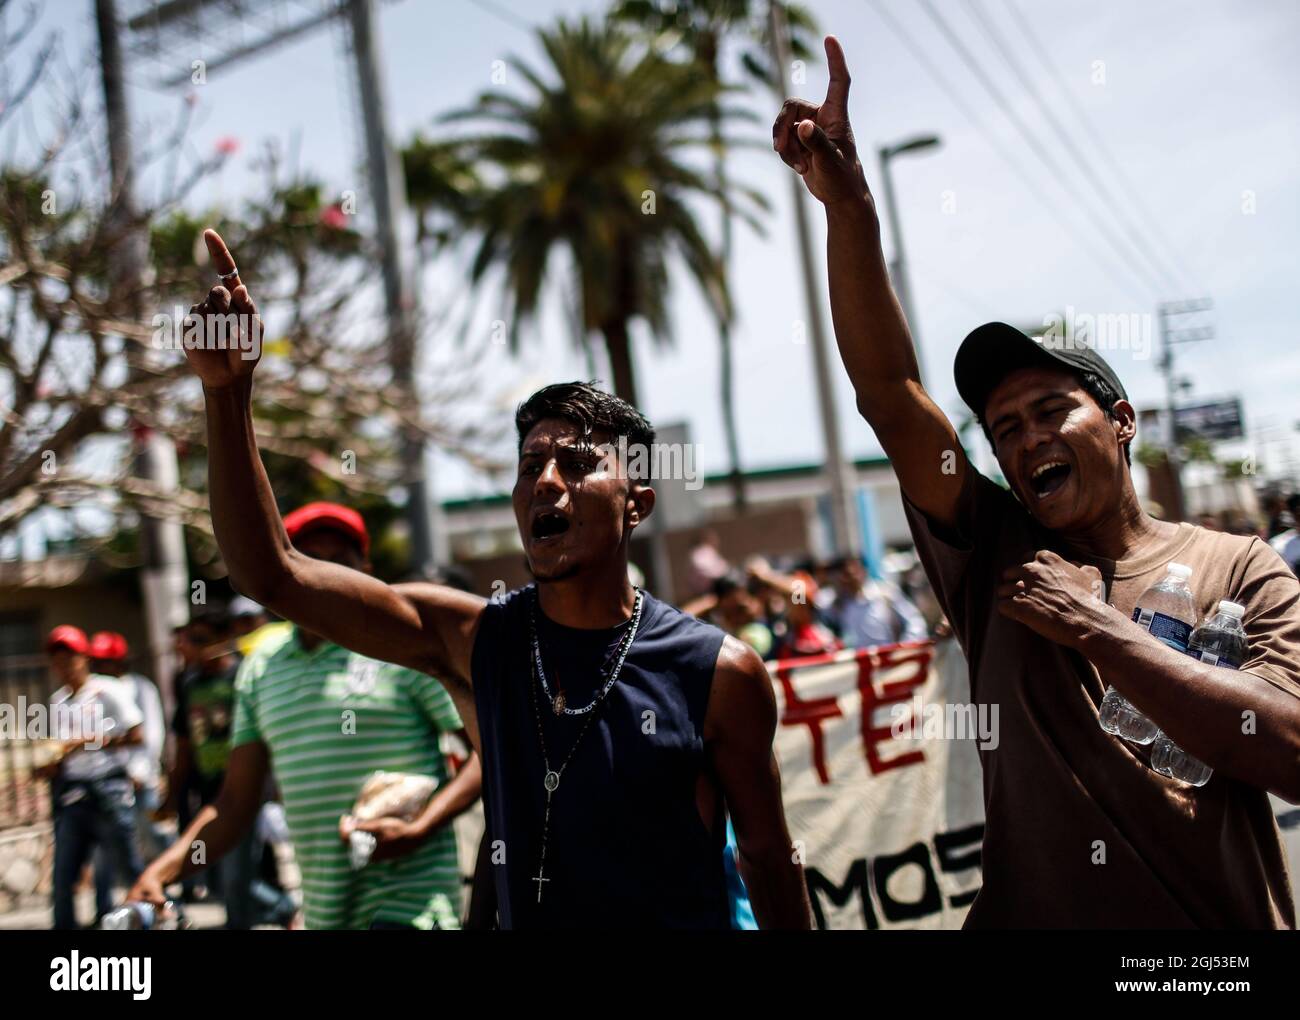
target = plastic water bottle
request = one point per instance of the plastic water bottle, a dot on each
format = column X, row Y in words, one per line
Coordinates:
column 1165, row 609
column 130, row 917
column 141, row 916
column 1220, row 642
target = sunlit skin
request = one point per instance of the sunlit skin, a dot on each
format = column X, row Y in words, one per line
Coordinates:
column 1041, row 414
column 581, row 572
column 324, row 543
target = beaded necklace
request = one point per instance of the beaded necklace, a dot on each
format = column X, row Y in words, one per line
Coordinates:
column 551, row 778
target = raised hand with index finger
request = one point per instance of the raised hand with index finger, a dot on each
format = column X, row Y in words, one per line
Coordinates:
column 223, row 332
column 817, row 141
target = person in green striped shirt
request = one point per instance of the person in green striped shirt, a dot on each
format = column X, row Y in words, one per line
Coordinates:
column 320, row 719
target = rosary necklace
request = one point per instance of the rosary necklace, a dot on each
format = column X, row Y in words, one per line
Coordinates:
column 551, row 778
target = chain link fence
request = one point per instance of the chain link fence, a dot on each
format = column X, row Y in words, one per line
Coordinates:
column 24, row 683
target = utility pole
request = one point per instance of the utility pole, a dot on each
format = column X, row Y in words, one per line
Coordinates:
column 399, row 295
column 1169, row 337
column 846, row 537
column 164, row 578
column 252, row 28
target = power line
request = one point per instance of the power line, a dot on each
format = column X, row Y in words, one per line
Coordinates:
column 1083, row 240
column 1034, row 144
column 503, row 14
column 1189, row 280
column 1082, row 162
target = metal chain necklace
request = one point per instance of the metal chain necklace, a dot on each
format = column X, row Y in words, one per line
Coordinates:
column 557, row 700
column 551, row 777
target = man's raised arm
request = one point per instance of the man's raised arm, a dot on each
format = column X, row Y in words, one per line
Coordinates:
column 424, row 627
column 874, row 341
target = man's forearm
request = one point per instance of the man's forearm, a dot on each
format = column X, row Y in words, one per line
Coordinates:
column 874, row 340
column 777, row 890
column 452, row 800
column 212, row 834
column 244, row 516
column 1235, row 722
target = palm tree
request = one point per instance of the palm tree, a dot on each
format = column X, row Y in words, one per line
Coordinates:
column 589, row 160
column 701, row 27
column 439, row 180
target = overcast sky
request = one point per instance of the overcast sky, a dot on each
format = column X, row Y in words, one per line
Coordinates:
column 1195, row 100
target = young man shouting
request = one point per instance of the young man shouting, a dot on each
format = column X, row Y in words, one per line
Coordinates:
column 616, row 733
column 1080, row 830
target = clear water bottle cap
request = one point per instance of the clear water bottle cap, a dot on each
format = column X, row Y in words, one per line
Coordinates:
column 1179, row 571
column 1233, row 609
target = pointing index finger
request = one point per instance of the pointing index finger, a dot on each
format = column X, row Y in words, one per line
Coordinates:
column 222, row 260
column 837, row 92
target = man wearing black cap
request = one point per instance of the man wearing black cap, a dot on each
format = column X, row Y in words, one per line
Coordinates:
column 1039, row 583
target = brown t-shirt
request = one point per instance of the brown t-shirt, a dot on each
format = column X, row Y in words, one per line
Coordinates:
column 1058, row 790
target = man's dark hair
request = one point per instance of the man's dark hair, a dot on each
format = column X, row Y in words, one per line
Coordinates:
column 591, row 409
column 213, row 621
column 1096, row 387
column 727, row 583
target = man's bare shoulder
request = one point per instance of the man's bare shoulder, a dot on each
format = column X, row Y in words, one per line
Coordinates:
column 742, row 699
column 452, row 618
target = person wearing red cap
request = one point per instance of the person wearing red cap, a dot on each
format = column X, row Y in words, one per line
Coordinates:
column 1039, row 579
column 93, row 802
column 804, row 635
column 294, row 695
column 616, row 733
column 109, row 653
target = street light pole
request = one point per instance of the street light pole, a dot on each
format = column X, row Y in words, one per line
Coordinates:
column 898, row 267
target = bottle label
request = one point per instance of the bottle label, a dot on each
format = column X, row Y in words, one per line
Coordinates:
column 1212, row 659
column 1174, row 633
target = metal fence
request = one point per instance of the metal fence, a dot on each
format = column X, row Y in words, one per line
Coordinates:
column 24, row 682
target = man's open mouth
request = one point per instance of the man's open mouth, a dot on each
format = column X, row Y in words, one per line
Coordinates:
column 549, row 524
column 1047, row 478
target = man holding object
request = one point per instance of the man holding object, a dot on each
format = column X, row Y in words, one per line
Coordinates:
column 1040, row 582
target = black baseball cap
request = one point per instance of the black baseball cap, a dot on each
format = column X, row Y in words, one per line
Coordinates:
column 993, row 351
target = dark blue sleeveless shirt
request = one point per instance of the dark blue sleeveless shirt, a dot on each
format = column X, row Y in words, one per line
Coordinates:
column 626, row 845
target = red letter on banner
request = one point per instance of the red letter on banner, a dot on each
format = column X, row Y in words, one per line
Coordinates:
column 894, row 691
column 811, row 714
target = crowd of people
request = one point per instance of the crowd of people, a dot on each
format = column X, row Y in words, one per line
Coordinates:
column 257, row 743
column 623, row 747
column 136, row 809
column 115, row 801
column 812, row 608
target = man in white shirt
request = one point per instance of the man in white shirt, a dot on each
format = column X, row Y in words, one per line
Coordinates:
column 94, row 725
column 868, row 612
column 109, row 655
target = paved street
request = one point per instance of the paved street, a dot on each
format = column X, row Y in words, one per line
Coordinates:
column 202, row 915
